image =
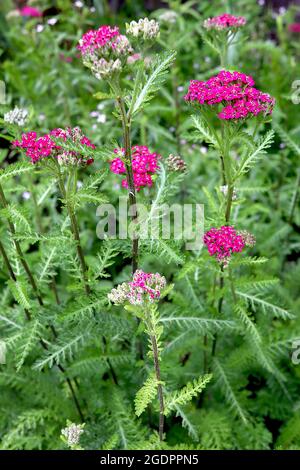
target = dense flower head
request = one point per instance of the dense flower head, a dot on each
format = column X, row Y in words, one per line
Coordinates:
column 235, row 91
column 224, row 22
column 144, row 287
column 176, row 163
column 144, row 28
column 96, row 39
column 294, row 27
column 104, row 50
column 16, row 116
column 47, row 145
column 144, row 164
column 222, row 242
column 30, row 12
column 72, row 433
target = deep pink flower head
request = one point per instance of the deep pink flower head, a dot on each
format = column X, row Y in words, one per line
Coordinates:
column 224, row 21
column 294, row 27
column 222, row 242
column 234, row 91
column 145, row 287
column 38, row 148
column 97, row 39
column 30, row 11
column 144, row 164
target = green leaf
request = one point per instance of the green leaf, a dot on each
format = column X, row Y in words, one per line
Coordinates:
column 250, row 160
column 153, row 82
column 187, row 393
column 15, row 169
column 146, row 395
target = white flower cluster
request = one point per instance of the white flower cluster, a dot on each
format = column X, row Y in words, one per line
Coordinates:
column 17, row 116
column 144, row 28
column 119, row 294
column 72, row 433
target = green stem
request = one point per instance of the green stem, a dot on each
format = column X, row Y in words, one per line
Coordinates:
column 159, row 387
column 130, row 181
column 11, row 273
column 20, row 251
column 75, row 231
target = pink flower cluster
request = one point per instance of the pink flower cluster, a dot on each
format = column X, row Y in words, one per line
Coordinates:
column 144, row 164
column 294, row 27
column 98, row 39
column 46, row 146
column 222, row 242
column 104, row 51
column 235, row 91
column 30, row 12
column 145, row 287
column 224, row 21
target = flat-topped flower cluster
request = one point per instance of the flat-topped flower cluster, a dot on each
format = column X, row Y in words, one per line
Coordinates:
column 144, row 165
column 37, row 148
column 224, row 241
column 104, row 50
column 224, row 22
column 144, row 287
column 235, row 91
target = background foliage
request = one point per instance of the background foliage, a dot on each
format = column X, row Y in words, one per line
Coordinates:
column 252, row 401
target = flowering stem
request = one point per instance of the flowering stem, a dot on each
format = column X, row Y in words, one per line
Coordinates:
column 154, row 343
column 224, row 54
column 159, row 387
column 130, row 180
column 75, row 231
column 20, row 251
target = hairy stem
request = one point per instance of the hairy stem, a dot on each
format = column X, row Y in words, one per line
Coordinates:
column 130, row 180
column 76, row 235
column 159, row 387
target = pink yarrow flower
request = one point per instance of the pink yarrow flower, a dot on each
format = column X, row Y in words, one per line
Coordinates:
column 144, row 165
column 37, row 148
column 294, row 27
column 95, row 39
column 235, row 91
column 222, row 242
column 30, row 11
column 224, row 21
column 104, row 51
column 144, row 287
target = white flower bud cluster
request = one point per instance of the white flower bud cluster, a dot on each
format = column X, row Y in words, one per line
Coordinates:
column 16, row 116
column 72, row 433
column 144, row 28
column 176, row 163
column 119, row 294
column 103, row 68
